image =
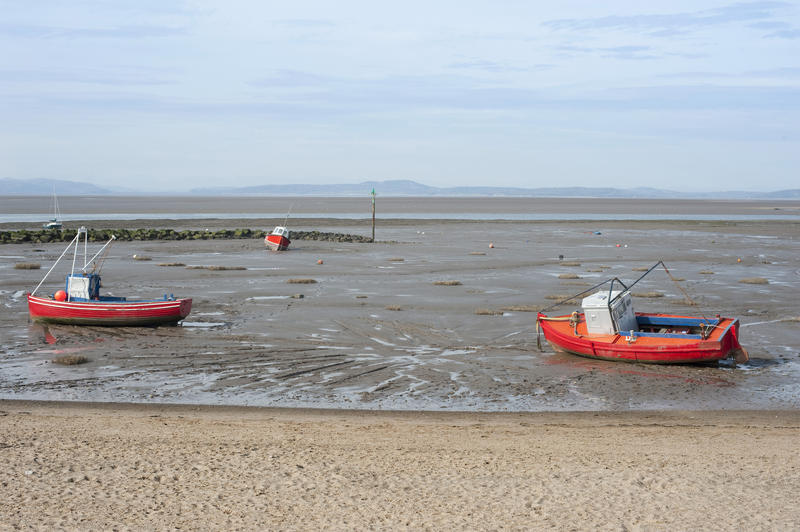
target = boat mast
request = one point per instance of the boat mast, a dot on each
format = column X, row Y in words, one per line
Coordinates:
column 56, row 211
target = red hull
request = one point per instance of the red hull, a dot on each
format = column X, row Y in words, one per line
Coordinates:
column 720, row 344
column 117, row 313
column 277, row 243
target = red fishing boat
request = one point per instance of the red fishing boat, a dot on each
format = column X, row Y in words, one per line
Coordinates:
column 609, row 329
column 109, row 311
column 80, row 303
column 278, row 239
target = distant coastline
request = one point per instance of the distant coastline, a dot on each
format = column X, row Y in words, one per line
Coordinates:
column 389, row 188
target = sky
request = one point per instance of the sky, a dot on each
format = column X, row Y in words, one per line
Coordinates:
column 155, row 95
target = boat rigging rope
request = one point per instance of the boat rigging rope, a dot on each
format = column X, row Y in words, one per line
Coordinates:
column 98, row 264
column 704, row 329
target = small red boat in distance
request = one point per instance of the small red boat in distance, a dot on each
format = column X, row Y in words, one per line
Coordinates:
column 278, row 239
column 80, row 303
column 609, row 329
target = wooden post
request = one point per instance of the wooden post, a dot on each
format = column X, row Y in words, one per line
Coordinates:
column 373, row 215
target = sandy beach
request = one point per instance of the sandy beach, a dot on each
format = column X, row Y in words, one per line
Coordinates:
column 106, row 466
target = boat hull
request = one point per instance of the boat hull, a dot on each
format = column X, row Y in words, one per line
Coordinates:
column 277, row 242
column 111, row 314
column 721, row 343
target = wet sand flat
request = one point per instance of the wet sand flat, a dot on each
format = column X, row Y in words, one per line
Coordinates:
column 119, row 205
column 377, row 332
column 104, row 466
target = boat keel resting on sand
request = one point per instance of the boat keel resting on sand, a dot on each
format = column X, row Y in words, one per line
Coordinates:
column 81, row 303
column 609, row 329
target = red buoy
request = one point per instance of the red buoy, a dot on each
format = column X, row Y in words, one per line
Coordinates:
column 60, row 295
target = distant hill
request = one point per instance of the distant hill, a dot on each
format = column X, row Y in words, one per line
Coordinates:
column 412, row 188
column 44, row 187
column 399, row 187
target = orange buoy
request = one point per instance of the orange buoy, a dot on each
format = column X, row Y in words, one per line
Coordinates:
column 491, row 244
column 60, row 295
column 738, row 260
column 319, row 261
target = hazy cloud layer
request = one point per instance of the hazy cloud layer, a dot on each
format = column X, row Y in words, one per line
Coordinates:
column 183, row 95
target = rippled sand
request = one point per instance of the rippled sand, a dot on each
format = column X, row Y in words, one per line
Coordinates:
column 139, row 467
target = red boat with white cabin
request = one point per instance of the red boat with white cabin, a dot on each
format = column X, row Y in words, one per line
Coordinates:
column 609, row 329
column 80, row 303
column 278, row 239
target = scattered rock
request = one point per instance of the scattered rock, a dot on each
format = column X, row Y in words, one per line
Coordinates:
column 522, row 308
column 216, row 268
column 488, row 312
column 754, row 280
column 70, row 360
column 123, row 235
column 27, row 266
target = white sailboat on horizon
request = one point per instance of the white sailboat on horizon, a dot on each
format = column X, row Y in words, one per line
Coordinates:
column 55, row 221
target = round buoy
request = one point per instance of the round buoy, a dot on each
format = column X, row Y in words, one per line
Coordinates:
column 491, row 244
column 319, row 261
column 618, row 245
column 738, row 260
column 61, row 295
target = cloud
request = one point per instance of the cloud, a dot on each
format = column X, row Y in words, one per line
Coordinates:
column 305, row 23
column 291, row 78
column 402, row 95
column 784, row 72
column 87, row 76
column 784, row 34
column 769, row 25
column 772, row 73
column 117, row 32
column 627, row 52
column 670, row 23
column 484, row 65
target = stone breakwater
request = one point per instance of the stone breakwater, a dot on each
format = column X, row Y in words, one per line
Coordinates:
column 101, row 235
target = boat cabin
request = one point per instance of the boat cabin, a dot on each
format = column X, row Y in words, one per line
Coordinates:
column 83, row 286
column 280, row 231
column 609, row 313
